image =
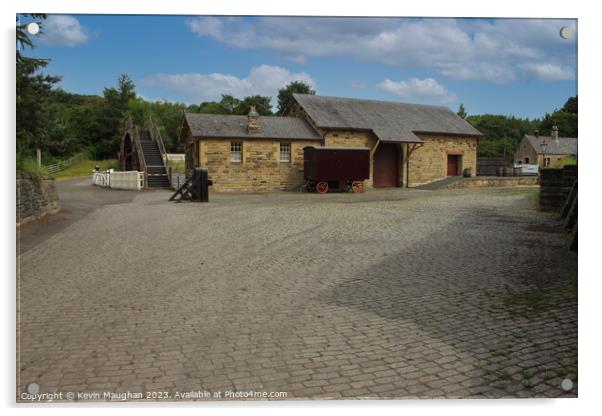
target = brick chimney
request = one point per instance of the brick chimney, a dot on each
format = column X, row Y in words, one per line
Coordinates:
column 253, row 121
column 555, row 133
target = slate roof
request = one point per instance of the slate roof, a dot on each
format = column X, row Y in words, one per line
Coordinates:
column 235, row 126
column 562, row 146
column 390, row 121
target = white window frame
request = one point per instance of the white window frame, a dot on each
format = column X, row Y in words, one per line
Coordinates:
column 288, row 152
column 236, row 151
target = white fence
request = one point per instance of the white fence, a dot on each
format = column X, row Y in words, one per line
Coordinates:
column 100, row 179
column 527, row 169
column 132, row 180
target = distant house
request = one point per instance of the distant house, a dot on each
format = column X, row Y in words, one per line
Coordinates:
column 545, row 150
column 409, row 144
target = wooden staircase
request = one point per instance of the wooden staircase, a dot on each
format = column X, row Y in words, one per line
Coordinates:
column 156, row 171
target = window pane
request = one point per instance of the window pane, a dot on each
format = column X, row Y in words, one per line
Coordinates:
column 285, row 152
column 236, row 151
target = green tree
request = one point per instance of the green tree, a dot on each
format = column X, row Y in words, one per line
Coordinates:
column 461, row 111
column 501, row 134
column 112, row 115
column 211, row 107
column 232, row 105
column 285, row 95
column 119, row 97
column 226, row 105
column 571, row 105
column 75, row 123
column 566, row 119
column 166, row 116
column 32, row 88
column 262, row 105
column 229, row 103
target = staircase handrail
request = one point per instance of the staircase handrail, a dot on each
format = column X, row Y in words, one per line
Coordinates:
column 141, row 155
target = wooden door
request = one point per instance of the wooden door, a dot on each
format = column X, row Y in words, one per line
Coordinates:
column 386, row 166
column 453, row 165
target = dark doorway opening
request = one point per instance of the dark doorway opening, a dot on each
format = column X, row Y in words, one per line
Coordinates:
column 386, row 166
column 453, row 165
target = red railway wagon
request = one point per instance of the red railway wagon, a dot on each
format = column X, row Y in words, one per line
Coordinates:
column 340, row 168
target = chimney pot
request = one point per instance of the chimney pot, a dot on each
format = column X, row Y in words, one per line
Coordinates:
column 253, row 121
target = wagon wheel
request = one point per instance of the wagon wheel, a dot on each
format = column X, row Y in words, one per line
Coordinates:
column 357, row 186
column 322, row 187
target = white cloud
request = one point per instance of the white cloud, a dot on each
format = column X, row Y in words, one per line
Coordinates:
column 499, row 50
column 206, row 26
column 549, row 71
column 262, row 80
column 425, row 90
column 62, row 30
column 152, row 100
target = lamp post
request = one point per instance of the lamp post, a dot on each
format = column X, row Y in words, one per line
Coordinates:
column 544, row 146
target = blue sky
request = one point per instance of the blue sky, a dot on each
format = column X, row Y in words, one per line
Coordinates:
column 518, row 67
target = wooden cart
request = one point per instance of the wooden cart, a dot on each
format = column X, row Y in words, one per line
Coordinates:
column 341, row 168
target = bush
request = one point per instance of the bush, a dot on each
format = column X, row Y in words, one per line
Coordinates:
column 568, row 160
column 30, row 165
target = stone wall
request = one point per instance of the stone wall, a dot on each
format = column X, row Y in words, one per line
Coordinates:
column 493, row 181
column 428, row 163
column 260, row 168
column 36, row 197
column 555, row 186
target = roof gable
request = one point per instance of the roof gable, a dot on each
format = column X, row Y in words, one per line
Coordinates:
column 562, row 146
column 236, row 126
column 390, row 121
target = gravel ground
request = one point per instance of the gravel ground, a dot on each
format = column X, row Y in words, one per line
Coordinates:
column 388, row 294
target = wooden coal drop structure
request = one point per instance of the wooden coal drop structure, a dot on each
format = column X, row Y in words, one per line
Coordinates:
column 340, row 168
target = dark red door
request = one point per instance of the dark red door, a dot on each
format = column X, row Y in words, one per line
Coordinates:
column 386, row 162
column 453, row 163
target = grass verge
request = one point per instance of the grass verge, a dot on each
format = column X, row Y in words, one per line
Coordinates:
column 85, row 168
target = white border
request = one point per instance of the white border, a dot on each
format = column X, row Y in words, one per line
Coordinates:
column 590, row 167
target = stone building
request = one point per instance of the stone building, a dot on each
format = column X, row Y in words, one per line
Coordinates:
column 545, row 150
column 409, row 144
column 248, row 152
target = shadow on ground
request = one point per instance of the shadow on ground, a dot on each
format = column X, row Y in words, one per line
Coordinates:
column 512, row 309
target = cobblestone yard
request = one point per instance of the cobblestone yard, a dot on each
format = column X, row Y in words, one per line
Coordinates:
column 388, row 294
